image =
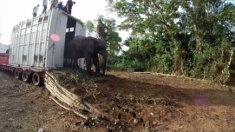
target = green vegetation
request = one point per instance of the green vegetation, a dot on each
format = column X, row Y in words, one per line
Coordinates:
column 232, row 71
column 194, row 38
column 77, row 76
column 106, row 30
column 101, row 79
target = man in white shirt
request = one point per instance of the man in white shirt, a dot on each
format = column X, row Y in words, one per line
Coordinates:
column 53, row 3
column 44, row 6
column 35, row 10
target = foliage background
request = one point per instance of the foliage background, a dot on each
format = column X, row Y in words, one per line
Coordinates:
column 194, row 38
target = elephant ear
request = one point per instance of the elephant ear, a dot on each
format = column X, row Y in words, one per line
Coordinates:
column 90, row 45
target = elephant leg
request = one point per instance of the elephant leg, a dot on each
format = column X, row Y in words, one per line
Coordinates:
column 88, row 61
column 73, row 63
column 96, row 63
column 71, row 66
column 76, row 63
column 72, row 55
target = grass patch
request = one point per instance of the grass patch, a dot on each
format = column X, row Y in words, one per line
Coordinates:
column 101, row 79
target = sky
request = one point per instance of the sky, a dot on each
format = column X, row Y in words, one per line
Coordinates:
column 14, row 11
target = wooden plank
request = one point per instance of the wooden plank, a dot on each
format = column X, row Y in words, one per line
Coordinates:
column 63, row 94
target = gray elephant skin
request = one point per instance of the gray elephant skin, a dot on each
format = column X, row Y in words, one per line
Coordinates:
column 88, row 48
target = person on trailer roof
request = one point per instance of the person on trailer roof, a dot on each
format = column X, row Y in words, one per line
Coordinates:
column 60, row 6
column 53, row 3
column 44, row 6
column 35, row 10
column 69, row 6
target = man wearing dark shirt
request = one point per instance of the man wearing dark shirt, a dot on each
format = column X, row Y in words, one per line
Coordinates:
column 69, row 6
column 60, row 6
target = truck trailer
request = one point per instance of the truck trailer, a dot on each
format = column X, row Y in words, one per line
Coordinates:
column 42, row 43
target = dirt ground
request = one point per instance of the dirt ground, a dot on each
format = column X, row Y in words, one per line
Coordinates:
column 133, row 102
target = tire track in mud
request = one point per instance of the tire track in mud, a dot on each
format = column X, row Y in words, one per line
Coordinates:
column 158, row 104
column 25, row 107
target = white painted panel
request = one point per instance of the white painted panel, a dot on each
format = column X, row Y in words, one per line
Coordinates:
column 24, row 25
column 39, row 26
column 18, row 56
column 45, row 24
column 32, row 37
column 43, row 36
column 30, row 55
column 26, row 53
column 42, row 48
column 36, row 49
column 49, row 54
column 35, row 21
column 59, row 46
column 80, row 30
column 27, row 39
column 26, row 50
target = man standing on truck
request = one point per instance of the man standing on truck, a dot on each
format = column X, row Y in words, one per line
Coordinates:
column 44, row 6
column 35, row 10
column 60, row 6
column 53, row 4
column 69, row 6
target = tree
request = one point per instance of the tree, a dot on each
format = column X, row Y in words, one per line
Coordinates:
column 106, row 30
column 193, row 36
column 90, row 27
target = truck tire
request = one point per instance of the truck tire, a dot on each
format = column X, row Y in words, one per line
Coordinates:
column 17, row 74
column 37, row 80
column 26, row 77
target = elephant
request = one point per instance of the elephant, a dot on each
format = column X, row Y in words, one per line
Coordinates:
column 88, row 48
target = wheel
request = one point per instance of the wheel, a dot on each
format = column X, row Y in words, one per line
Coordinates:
column 17, row 74
column 26, row 77
column 37, row 80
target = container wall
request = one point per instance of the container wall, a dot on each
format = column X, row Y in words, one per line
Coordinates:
column 39, row 42
column 80, row 29
column 29, row 42
column 49, row 61
column 59, row 45
column 13, row 57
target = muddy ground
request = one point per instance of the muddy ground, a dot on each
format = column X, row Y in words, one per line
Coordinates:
column 133, row 102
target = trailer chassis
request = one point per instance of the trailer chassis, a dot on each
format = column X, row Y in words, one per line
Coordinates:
column 27, row 75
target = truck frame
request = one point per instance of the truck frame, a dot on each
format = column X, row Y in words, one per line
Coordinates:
column 42, row 43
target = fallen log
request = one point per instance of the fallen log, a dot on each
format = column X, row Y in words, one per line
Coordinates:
column 98, row 112
column 142, row 72
column 69, row 109
column 63, row 90
column 92, row 108
column 63, row 94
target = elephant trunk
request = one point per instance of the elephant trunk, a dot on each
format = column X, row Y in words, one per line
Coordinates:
column 104, row 63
